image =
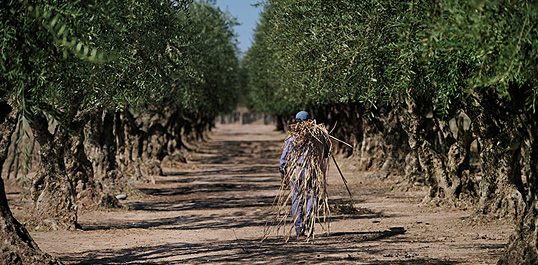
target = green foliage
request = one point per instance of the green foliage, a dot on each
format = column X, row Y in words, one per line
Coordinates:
column 35, row 67
column 208, row 52
column 166, row 53
column 307, row 54
column 499, row 40
column 51, row 18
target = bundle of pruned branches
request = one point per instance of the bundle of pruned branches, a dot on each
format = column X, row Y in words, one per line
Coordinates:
column 305, row 173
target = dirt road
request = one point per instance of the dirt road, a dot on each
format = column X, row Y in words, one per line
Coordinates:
column 214, row 210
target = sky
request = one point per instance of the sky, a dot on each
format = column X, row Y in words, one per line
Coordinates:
column 247, row 15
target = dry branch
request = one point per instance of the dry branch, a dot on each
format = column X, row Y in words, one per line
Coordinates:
column 304, row 172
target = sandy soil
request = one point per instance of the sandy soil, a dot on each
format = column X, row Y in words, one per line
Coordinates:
column 214, row 210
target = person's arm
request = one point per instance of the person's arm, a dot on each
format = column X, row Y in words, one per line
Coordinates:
column 284, row 158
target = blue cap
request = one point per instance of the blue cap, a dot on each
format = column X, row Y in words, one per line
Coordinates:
column 302, row 115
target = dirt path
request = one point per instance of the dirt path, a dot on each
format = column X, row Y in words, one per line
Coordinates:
column 214, row 211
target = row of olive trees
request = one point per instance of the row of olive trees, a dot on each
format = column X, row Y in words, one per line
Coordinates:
column 110, row 89
column 401, row 78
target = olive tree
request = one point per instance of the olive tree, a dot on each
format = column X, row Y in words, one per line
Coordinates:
column 423, row 65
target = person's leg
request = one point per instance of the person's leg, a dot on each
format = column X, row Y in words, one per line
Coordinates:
column 296, row 209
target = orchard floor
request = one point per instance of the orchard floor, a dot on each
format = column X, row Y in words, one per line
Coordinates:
column 213, row 210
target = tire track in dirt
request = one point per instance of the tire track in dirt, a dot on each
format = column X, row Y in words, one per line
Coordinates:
column 214, row 210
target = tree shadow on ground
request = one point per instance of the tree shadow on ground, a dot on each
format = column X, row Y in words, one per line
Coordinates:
column 338, row 248
column 194, row 175
column 181, row 223
column 232, row 152
column 206, row 188
column 237, row 219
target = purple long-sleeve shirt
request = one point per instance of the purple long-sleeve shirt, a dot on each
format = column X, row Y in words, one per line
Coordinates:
column 283, row 157
column 288, row 145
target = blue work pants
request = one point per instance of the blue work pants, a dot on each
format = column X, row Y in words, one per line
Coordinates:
column 297, row 209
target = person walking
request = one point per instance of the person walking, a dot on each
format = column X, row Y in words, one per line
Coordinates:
column 302, row 160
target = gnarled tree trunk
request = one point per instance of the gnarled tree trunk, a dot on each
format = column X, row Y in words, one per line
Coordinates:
column 499, row 125
column 101, row 147
column 144, row 141
column 395, row 148
column 175, row 148
column 280, row 126
column 379, row 143
column 52, row 189
column 129, row 147
column 89, row 191
column 446, row 173
column 12, row 163
column 344, row 122
column 522, row 247
column 123, row 146
column 16, row 246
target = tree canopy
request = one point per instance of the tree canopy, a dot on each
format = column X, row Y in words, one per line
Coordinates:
column 308, row 54
column 115, row 54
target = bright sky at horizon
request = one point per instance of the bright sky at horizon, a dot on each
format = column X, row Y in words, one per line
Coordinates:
column 247, row 15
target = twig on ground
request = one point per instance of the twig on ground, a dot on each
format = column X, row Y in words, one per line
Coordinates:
column 239, row 242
